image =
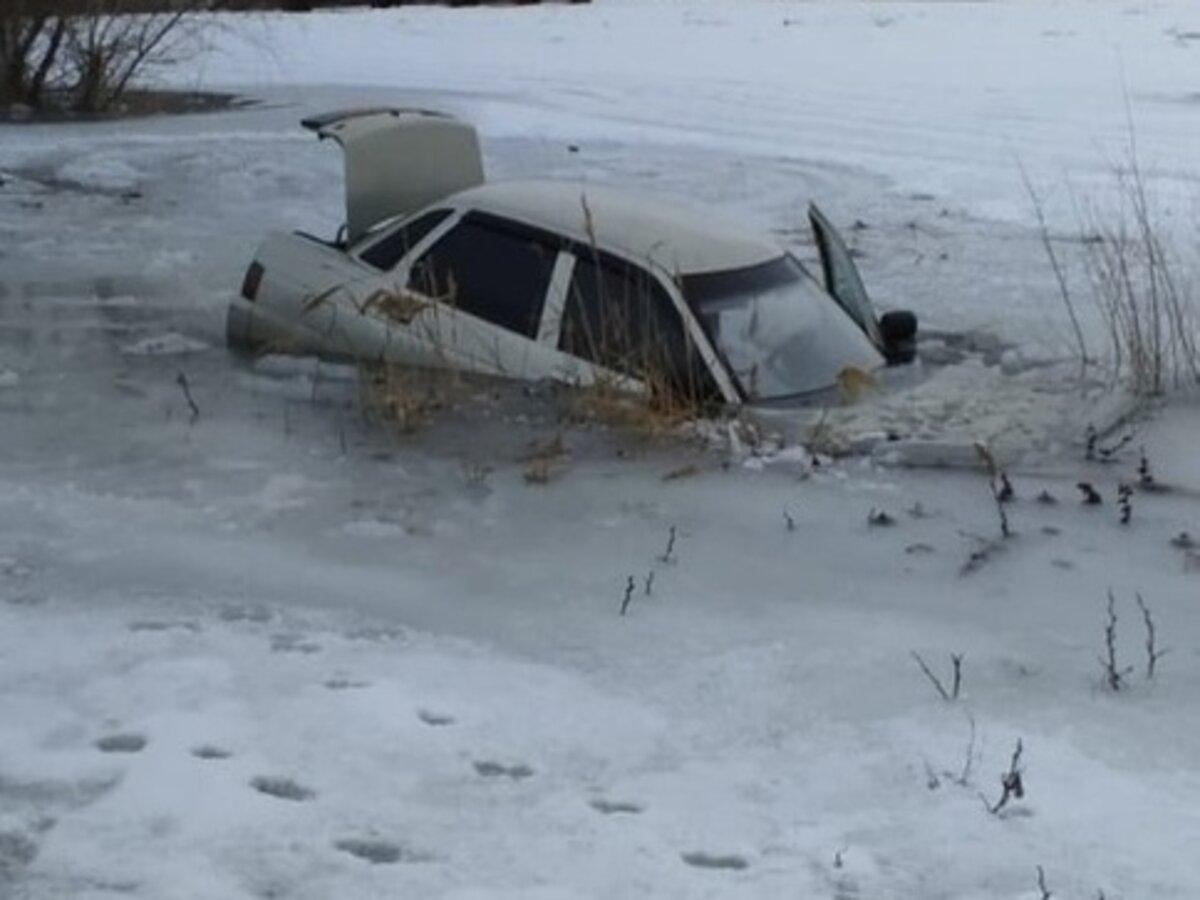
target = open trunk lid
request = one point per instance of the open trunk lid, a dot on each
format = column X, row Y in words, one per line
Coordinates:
column 399, row 160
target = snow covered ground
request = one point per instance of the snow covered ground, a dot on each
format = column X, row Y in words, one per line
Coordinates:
column 274, row 650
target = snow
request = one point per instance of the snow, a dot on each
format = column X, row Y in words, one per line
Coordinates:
column 369, row 664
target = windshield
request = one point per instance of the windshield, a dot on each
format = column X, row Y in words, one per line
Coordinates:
column 780, row 333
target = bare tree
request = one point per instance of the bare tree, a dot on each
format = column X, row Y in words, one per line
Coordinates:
column 31, row 40
column 85, row 55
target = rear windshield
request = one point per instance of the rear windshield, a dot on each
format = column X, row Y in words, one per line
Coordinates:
column 779, row 333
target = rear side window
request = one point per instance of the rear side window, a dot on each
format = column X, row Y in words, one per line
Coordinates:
column 491, row 268
column 618, row 316
column 384, row 254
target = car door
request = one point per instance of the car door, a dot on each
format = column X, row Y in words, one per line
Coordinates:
column 484, row 283
column 618, row 317
column 842, row 280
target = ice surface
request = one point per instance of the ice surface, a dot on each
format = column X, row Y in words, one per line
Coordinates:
column 328, row 660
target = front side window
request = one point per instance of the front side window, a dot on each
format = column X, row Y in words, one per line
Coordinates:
column 385, row 253
column 618, row 316
column 841, row 275
column 780, row 334
column 491, row 268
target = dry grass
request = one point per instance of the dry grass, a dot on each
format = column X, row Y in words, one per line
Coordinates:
column 546, row 460
column 654, row 412
column 406, row 397
column 1139, row 288
column 638, row 390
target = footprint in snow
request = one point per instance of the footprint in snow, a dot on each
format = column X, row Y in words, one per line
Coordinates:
column 376, row 635
column 715, row 861
column 281, row 788
column 378, row 852
column 121, row 743
column 155, row 625
column 612, row 807
column 341, row 683
column 237, row 613
column 292, row 643
column 435, row 719
column 489, row 769
column 25, row 600
column 208, row 751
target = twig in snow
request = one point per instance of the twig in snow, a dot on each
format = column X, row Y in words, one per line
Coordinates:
column 667, row 556
column 931, row 777
column 879, row 518
column 182, row 381
column 1046, row 893
column 1183, row 541
column 1125, row 502
column 1153, row 654
column 1059, row 271
column 963, row 778
column 1096, row 453
column 1010, row 783
column 1006, row 492
column 1114, row 676
column 956, row 685
column 649, row 583
column 998, row 483
column 1145, row 476
column 984, row 548
column 1107, row 453
column 629, row 586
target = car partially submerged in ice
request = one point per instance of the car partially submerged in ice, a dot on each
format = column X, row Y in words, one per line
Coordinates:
column 434, row 267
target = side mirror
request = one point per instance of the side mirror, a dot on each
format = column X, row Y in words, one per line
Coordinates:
column 899, row 331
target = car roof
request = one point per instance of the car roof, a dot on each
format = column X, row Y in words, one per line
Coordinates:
column 680, row 237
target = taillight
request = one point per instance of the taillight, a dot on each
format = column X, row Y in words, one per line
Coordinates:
column 252, row 280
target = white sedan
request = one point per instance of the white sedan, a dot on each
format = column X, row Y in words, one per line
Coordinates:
column 545, row 279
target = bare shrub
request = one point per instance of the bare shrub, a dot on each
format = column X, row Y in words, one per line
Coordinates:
column 1060, row 275
column 1139, row 288
column 85, row 55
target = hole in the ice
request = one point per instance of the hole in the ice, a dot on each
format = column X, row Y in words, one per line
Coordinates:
column 121, row 743
column 281, row 788
column 715, row 861
column 490, row 769
column 612, row 807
